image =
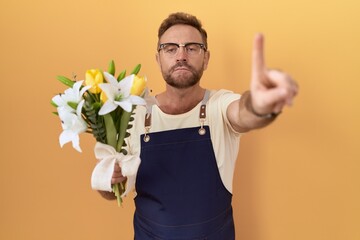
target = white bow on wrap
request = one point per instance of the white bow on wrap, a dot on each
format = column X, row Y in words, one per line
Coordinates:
column 103, row 171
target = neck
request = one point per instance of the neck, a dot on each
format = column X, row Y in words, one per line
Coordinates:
column 178, row 101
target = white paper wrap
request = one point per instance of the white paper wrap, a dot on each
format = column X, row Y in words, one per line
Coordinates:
column 103, row 171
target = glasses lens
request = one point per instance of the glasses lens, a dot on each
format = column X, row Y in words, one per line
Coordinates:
column 193, row 48
column 170, row 48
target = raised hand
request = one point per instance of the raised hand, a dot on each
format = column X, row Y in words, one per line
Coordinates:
column 270, row 89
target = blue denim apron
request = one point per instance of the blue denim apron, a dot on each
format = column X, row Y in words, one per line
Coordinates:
column 180, row 194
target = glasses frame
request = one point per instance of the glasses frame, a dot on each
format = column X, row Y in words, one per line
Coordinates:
column 162, row 46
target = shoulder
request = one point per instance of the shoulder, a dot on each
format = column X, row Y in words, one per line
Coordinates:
column 223, row 97
column 218, row 105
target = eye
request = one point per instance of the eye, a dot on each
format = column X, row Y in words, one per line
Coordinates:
column 170, row 48
column 192, row 48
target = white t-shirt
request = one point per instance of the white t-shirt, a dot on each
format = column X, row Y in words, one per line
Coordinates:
column 224, row 138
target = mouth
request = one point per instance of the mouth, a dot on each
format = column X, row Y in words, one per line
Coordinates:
column 182, row 68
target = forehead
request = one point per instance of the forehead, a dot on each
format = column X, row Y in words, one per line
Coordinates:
column 181, row 34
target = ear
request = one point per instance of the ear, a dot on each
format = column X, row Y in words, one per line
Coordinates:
column 206, row 59
column 158, row 59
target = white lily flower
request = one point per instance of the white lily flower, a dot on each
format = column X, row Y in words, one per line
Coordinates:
column 73, row 94
column 118, row 94
column 73, row 124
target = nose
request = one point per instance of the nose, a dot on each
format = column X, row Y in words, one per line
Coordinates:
column 181, row 54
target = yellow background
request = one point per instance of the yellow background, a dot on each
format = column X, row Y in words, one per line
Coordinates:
column 297, row 179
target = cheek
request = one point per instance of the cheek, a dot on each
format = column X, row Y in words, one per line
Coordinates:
column 200, row 66
column 165, row 66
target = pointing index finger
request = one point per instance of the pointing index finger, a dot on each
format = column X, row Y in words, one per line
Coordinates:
column 258, row 62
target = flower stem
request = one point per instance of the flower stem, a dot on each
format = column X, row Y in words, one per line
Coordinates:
column 110, row 130
column 111, row 140
column 125, row 118
column 124, row 122
column 116, row 189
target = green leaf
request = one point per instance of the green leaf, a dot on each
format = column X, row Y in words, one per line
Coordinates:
column 111, row 68
column 91, row 117
column 56, row 113
column 91, row 112
column 72, row 104
column 66, row 81
column 98, row 130
column 95, row 121
column 96, row 105
column 136, row 69
column 54, row 104
column 121, row 76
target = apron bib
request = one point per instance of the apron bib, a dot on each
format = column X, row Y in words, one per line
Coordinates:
column 180, row 194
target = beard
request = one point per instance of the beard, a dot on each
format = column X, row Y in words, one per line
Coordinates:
column 183, row 81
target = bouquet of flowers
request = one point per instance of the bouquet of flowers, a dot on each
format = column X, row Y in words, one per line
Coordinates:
column 102, row 105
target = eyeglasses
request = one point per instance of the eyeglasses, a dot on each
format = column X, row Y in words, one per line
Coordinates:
column 172, row 49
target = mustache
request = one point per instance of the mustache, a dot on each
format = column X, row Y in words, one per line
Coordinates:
column 181, row 64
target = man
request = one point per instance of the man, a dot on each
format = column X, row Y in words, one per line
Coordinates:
column 188, row 138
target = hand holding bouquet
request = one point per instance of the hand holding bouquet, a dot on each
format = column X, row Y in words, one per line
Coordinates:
column 103, row 108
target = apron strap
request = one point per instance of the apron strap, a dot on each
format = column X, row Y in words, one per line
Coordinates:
column 202, row 113
column 148, row 120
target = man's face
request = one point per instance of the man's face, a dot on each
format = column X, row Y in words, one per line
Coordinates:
column 182, row 70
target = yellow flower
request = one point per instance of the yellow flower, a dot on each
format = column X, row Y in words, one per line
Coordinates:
column 138, row 86
column 93, row 78
column 103, row 97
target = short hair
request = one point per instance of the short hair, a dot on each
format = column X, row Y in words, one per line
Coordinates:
column 182, row 18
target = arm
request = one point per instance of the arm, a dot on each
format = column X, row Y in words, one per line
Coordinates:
column 117, row 177
column 270, row 91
